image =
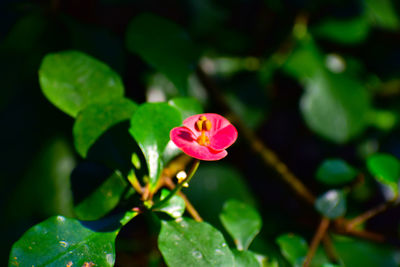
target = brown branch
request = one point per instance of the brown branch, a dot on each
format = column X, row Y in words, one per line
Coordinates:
column 321, row 231
column 329, row 248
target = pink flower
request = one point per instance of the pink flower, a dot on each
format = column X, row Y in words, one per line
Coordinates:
column 205, row 136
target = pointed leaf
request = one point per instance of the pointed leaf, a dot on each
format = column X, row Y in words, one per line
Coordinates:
column 150, row 127
column 293, row 247
column 335, row 172
column 187, row 106
column 386, row 169
column 242, row 222
column 105, row 198
column 175, row 206
column 71, row 80
column 176, row 57
column 190, row 243
column 96, row 118
column 332, row 204
column 61, row 241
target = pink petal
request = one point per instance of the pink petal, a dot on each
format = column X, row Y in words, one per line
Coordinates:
column 224, row 138
column 184, row 138
column 217, row 121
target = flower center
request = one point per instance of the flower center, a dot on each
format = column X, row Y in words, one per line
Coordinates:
column 203, row 125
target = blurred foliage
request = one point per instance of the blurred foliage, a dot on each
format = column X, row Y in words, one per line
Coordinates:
column 317, row 81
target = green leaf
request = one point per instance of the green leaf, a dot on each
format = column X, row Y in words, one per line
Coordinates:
column 330, row 265
column 293, row 247
column 176, row 57
column 386, row 169
column 245, row 259
column 335, row 172
column 331, row 204
column 242, row 222
column 71, row 80
column 382, row 13
column 349, row 31
column 97, row 118
column 187, row 106
column 360, row 253
column 175, row 207
column 59, row 241
column 105, row 198
column 190, row 243
column 335, row 106
column 150, row 127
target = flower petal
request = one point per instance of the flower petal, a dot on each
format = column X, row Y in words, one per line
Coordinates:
column 217, row 122
column 223, row 138
column 184, row 138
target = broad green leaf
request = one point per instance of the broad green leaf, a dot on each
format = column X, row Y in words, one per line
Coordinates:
column 382, row 13
column 349, row 31
column 335, row 172
column 293, row 247
column 190, row 243
column 386, row 169
column 150, row 127
column 331, row 204
column 360, row 253
column 175, row 207
column 176, row 57
column 245, row 259
column 187, row 106
column 212, row 185
column 330, row 265
column 96, row 118
column 335, row 106
column 105, row 198
column 71, row 80
column 242, row 222
column 59, row 241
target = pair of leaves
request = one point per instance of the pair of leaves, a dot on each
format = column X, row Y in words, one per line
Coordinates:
column 61, row 241
column 190, row 243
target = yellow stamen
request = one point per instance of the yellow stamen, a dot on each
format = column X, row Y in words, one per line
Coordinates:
column 203, row 139
column 207, row 125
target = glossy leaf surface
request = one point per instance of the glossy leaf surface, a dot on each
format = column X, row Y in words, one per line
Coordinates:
column 190, row 243
column 150, row 127
column 96, row 118
column 71, row 80
column 245, row 259
column 175, row 206
column 60, row 241
column 293, row 247
column 242, row 222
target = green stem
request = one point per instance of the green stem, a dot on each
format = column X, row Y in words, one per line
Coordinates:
column 179, row 186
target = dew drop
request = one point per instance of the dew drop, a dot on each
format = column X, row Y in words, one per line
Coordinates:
column 63, row 244
column 110, row 259
column 183, row 224
column 60, row 219
column 223, row 245
column 218, row 251
column 197, row 254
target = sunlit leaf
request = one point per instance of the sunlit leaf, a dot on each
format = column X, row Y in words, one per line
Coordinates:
column 386, row 169
column 190, row 243
column 176, row 57
column 150, row 127
column 335, row 172
column 187, row 106
column 103, row 199
column 96, row 118
column 175, row 206
column 293, row 247
column 71, row 80
column 61, row 241
column 331, row 204
column 242, row 222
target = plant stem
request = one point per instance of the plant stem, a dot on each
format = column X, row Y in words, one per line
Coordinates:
column 321, row 231
column 329, row 248
column 179, row 186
